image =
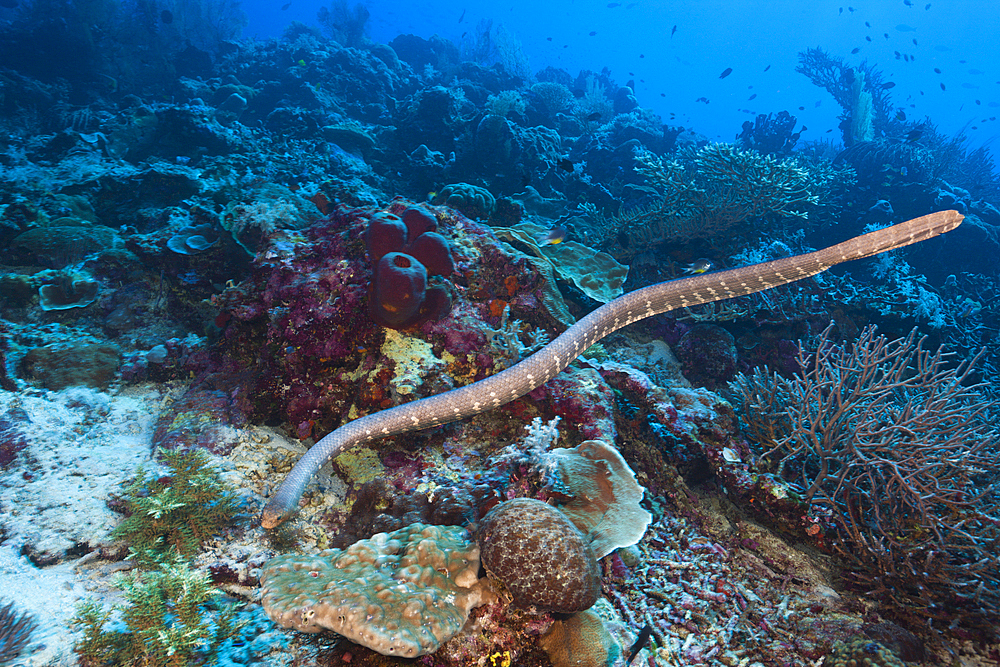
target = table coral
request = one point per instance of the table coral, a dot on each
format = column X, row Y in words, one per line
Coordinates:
column 402, row 593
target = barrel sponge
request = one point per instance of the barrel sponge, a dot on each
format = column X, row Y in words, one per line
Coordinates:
column 432, row 250
column 385, row 233
column 539, row 556
column 398, row 289
column 402, row 593
column 405, row 251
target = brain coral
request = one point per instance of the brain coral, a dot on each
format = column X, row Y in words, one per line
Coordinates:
column 401, row 593
column 540, row 556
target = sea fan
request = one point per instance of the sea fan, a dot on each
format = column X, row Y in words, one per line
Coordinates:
column 15, row 632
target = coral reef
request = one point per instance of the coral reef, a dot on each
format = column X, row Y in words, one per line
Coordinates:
column 870, row 434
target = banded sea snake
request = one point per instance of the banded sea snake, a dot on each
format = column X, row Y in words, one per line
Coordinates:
column 539, row 368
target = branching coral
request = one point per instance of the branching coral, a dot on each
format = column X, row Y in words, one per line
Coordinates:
column 859, row 91
column 177, row 512
column 889, row 439
column 715, row 190
column 171, row 620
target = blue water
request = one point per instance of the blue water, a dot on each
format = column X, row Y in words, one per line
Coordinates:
column 634, row 41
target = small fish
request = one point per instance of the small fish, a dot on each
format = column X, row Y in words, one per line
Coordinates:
column 285, row 6
column 914, row 135
column 908, row 3
column 726, row 72
column 594, row 116
column 886, row 35
column 804, row 128
column 462, row 17
column 612, row 5
column 867, row 24
column 554, row 236
column 754, row 96
column 548, row 39
column 818, row 102
column 887, row 86
column 900, row 115
column 942, row 87
column 868, row 38
column 855, row 50
column 167, row 16
column 639, row 644
column 927, row 6
column 593, row 32
column 915, row 42
column 802, row 108
column 702, row 99
column 699, row 266
column 672, row 31
column 767, row 68
column 566, row 165
column 937, row 71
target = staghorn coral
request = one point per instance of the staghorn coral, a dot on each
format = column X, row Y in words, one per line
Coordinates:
column 15, row 632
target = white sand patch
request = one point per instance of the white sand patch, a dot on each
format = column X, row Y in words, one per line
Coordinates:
column 81, row 445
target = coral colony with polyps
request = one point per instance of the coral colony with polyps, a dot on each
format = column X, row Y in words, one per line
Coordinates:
column 523, row 335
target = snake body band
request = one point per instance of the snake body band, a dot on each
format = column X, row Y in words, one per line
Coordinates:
column 542, row 366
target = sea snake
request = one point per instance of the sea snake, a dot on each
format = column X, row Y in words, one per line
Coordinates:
column 542, row 366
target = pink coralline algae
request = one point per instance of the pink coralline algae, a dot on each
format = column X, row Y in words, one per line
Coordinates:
column 299, row 346
column 583, row 399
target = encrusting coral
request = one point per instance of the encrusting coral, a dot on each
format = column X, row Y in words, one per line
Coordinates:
column 402, row 593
